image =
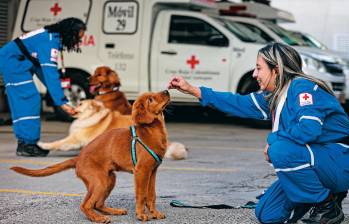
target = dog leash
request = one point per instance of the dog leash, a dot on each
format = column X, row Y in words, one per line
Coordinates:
column 180, row 204
column 136, row 139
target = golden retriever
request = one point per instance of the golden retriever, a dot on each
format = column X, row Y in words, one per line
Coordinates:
column 105, row 84
column 92, row 120
column 111, row 152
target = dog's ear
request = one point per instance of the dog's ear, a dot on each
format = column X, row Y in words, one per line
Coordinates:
column 114, row 78
column 140, row 114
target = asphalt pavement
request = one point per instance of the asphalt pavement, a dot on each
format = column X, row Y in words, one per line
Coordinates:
column 225, row 166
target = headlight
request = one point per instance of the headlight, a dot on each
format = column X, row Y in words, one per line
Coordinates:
column 312, row 63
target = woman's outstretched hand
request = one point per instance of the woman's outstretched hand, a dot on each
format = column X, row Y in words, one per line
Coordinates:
column 179, row 83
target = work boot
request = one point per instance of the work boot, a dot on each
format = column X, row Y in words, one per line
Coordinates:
column 24, row 149
column 298, row 213
column 325, row 213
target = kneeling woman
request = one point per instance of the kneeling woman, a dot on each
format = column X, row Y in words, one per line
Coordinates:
column 308, row 145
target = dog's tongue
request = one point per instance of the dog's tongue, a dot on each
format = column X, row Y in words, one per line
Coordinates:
column 92, row 89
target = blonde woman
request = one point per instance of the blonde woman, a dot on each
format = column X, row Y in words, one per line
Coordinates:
column 308, row 145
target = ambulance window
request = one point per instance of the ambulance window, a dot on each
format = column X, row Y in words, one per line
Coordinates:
column 261, row 36
column 38, row 13
column 189, row 30
column 282, row 33
column 246, row 32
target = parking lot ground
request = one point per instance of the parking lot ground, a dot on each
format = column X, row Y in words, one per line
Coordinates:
column 225, row 166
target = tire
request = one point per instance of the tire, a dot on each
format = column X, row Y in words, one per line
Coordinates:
column 78, row 91
column 3, row 100
column 346, row 106
column 248, row 86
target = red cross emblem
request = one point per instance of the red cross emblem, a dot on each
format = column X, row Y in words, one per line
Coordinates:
column 55, row 9
column 305, row 97
column 193, row 62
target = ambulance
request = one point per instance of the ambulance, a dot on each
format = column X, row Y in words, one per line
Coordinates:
column 147, row 42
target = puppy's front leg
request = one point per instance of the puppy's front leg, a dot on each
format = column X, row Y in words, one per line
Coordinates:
column 142, row 176
column 151, row 198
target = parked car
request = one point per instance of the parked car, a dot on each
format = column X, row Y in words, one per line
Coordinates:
column 316, row 62
column 344, row 57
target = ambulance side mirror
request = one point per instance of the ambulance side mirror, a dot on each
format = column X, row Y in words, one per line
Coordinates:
column 218, row 41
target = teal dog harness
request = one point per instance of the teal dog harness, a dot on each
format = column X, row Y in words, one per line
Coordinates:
column 136, row 139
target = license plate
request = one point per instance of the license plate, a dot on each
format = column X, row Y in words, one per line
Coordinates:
column 65, row 83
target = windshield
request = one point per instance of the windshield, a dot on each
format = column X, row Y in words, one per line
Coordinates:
column 245, row 32
column 311, row 41
column 284, row 34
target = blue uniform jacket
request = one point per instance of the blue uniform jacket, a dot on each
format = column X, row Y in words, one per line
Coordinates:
column 45, row 47
column 310, row 114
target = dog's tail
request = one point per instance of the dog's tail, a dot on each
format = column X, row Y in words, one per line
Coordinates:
column 70, row 163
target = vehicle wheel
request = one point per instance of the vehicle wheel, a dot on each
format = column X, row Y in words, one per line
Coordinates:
column 78, row 91
column 248, row 86
column 3, row 100
column 346, row 106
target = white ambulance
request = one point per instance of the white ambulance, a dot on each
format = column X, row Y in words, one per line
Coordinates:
column 147, row 42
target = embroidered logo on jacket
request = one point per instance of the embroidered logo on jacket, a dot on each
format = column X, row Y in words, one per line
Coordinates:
column 305, row 99
column 54, row 54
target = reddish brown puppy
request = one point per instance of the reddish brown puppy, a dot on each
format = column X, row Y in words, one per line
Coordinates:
column 110, row 152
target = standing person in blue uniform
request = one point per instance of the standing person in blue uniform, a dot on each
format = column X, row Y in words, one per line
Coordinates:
column 308, row 146
column 36, row 53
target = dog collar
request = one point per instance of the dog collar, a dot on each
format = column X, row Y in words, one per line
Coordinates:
column 136, row 139
column 116, row 88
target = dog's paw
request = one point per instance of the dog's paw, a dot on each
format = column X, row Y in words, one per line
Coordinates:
column 44, row 145
column 107, row 220
column 143, row 217
column 102, row 219
column 157, row 215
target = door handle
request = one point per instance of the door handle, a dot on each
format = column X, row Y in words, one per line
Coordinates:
column 109, row 45
column 169, row 52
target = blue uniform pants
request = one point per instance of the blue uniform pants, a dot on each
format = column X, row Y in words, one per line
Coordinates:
column 305, row 175
column 25, row 102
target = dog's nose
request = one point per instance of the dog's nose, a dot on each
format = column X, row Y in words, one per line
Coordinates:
column 166, row 92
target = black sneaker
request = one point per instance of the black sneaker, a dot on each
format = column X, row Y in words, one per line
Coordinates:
column 325, row 213
column 298, row 213
column 33, row 150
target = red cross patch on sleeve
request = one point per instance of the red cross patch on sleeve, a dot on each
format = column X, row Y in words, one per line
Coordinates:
column 54, row 54
column 305, row 99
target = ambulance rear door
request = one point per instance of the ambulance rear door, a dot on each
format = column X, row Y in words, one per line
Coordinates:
column 191, row 45
column 119, row 43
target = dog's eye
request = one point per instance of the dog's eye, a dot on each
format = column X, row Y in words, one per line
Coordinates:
column 150, row 99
